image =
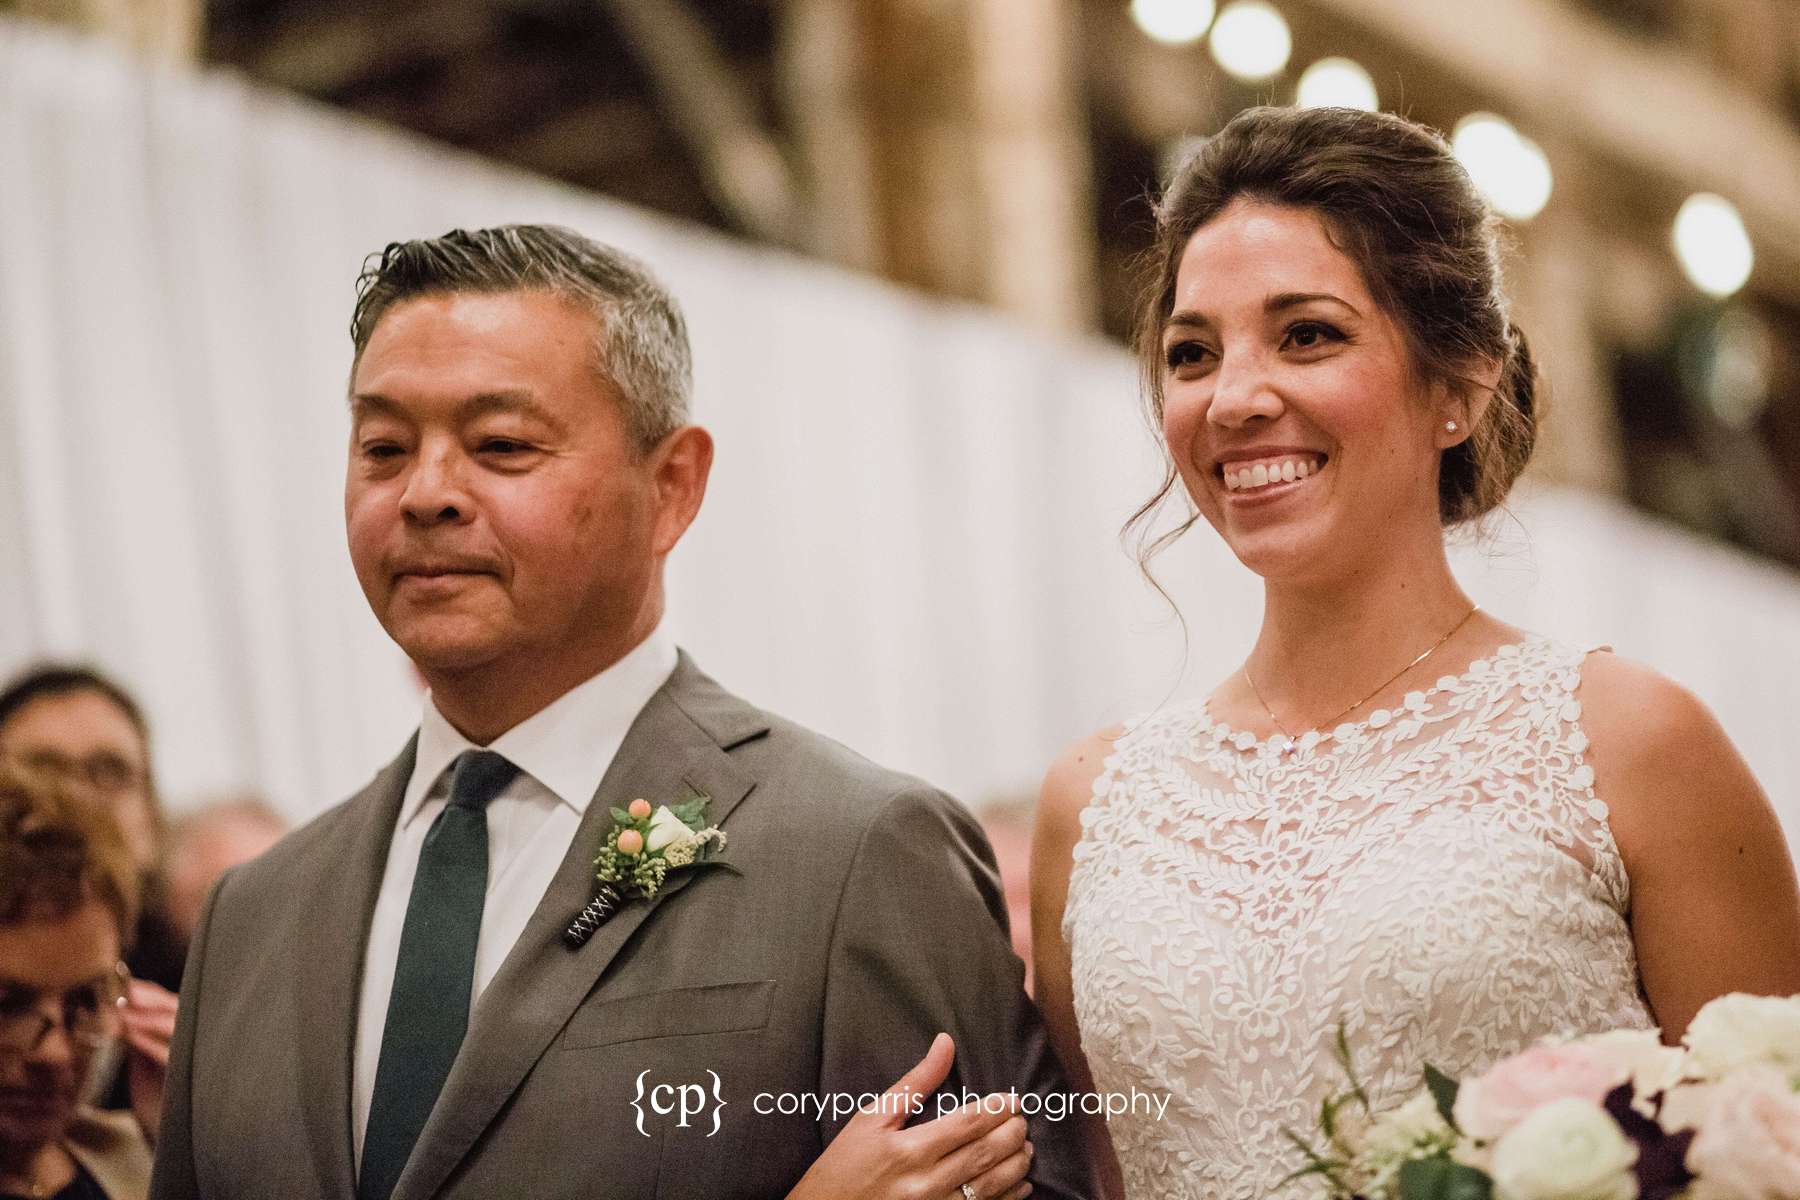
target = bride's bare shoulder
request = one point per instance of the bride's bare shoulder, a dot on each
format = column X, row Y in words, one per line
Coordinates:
column 1634, row 713
column 1663, row 763
column 1069, row 783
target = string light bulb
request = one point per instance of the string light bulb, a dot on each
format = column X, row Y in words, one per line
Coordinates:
column 1251, row 41
column 1337, row 83
column 1509, row 168
column 1712, row 244
column 1173, row 22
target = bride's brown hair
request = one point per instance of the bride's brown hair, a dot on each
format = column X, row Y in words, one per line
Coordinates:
column 1399, row 205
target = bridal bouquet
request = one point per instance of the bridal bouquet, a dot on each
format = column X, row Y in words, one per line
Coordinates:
column 1613, row 1116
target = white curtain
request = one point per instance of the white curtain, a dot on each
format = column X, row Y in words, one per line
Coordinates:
column 911, row 537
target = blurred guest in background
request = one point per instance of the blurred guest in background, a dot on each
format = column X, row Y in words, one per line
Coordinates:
column 75, row 723
column 203, row 845
column 75, row 726
column 1008, row 827
column 68, row 901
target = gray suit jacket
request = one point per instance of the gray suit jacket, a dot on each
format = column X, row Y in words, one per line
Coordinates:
column 859, row 915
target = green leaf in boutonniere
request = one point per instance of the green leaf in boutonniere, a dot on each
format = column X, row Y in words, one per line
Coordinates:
column 645, row 843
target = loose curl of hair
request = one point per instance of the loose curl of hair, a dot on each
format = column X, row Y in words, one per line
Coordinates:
column 1396, row 202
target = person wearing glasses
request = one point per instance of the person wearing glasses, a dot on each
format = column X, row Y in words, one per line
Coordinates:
column 68, row 900
column 76, row 727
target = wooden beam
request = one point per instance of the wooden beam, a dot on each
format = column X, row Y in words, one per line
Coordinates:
column 824, row 98
column 321, row 54
column 743, row 165
column 1652, row 107
column 949, row 134
column 164, row 30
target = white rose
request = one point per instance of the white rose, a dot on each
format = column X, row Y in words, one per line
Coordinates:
column 1652, row 1067
column 666, row 829
column 1749, row 1141
column 1567, row 1149
column 1686, row 1107
column 1739, row 1030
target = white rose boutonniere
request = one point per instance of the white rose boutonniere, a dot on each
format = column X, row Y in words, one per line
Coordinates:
column 645, row 843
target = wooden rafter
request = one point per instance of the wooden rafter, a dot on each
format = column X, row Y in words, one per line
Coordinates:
column 1652, row 107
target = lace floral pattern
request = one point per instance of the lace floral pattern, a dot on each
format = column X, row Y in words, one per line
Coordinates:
column 1439, row 878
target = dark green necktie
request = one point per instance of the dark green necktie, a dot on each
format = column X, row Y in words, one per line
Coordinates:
column 428, row 1011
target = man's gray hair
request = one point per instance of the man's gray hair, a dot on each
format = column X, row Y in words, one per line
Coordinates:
column 640, row 344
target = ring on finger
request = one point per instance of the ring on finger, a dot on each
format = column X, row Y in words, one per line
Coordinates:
column 968, row 1192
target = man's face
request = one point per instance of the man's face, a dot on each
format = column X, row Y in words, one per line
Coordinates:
column 498, row 516
column 91, row 746
column 61, row 968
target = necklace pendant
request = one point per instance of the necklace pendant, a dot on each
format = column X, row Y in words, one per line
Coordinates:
column 1287, row 747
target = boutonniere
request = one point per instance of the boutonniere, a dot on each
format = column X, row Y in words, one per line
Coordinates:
column 645, row 843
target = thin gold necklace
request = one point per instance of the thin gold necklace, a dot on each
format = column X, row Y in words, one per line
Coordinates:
column 1289, row 745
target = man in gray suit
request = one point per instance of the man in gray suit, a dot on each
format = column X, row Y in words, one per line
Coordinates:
column 386, row 1005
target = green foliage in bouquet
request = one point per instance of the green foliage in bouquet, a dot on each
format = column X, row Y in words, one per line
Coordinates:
column 1402, row 1154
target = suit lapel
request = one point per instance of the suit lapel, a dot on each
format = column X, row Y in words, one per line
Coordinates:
column 676, row 742
column 334, row 936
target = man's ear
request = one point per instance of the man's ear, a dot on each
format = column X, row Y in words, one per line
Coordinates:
column 680, row 465
column 1465, row 399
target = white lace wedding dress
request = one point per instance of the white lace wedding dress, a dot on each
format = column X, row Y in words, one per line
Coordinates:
column 1439, row 878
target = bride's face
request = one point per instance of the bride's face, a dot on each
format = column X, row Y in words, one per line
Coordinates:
column 1289, row 407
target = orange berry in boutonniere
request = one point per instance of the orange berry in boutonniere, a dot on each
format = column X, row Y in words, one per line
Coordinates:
column 631, row 842
column 639, row 809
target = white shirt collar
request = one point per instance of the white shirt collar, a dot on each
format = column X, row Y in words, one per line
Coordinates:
column 568, row 745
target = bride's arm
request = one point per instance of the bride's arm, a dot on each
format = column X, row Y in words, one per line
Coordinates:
column 1067, row 788
column 1714, row 904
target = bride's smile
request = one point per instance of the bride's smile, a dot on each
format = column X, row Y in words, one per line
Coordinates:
column 1296, row 420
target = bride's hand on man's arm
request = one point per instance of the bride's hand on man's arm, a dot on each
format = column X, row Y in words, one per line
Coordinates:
column 876, row 1157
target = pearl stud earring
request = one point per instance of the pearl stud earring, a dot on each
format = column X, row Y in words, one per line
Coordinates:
column 1450, row 426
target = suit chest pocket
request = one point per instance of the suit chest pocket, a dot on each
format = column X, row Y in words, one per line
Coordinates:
column 678, row 1012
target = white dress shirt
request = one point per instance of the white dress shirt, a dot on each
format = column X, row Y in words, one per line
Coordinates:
column 562, row 753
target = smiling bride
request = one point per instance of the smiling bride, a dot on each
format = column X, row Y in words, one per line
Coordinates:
column 1401, row 815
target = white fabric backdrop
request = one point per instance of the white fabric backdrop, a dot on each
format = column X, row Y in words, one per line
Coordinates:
column 910, row 541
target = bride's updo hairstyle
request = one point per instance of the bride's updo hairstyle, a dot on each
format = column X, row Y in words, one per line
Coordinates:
column 1399, row 205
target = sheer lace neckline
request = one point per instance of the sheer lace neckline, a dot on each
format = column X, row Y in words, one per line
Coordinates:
column 1416, row 701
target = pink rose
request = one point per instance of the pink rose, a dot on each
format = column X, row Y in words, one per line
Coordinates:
column 1749, row 1141
column 1491, row 1104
